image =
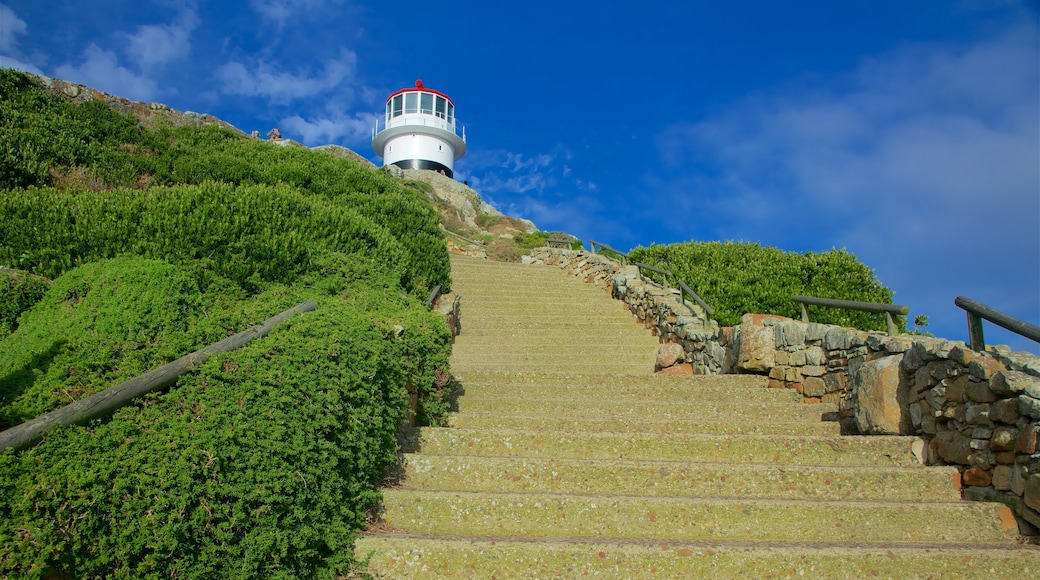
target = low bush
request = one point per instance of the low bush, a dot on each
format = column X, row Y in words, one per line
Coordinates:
column 738, row 278
column 260, row 463
column 18, row 292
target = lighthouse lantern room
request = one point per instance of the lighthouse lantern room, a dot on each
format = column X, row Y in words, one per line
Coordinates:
column 419, row 131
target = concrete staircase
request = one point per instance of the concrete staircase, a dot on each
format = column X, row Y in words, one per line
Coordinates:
column 569, row 458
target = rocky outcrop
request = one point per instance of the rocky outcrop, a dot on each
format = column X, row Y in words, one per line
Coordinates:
column 465, row 201
column 146, row 113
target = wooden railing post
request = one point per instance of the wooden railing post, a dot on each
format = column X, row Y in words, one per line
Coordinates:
column 975, row 337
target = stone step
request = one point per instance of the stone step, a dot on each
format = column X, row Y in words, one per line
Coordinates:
column 687, row 479
column 645, row 387
column 751, row 409
column 480, row 558
column 838, row 450
column 548, row 365
column 617, row 354
column 644, row 425
column 671, row 519
column 559, row 323
column 604, row 351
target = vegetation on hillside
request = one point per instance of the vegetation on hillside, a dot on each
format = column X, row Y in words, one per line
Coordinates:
column 161, row 240
column 736, row 278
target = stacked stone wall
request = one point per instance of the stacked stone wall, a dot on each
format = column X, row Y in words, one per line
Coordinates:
column 979, row 411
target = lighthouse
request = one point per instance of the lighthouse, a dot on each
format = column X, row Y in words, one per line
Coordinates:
column 419, row 131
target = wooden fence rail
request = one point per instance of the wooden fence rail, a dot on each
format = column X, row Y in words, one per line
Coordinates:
column 108, row 401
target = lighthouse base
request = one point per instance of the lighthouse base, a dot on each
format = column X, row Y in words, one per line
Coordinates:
column 424, row 164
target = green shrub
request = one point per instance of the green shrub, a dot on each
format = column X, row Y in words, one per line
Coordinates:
column 250, row 234
column 18, row 293
column 41, row 131
column 260, row 463
column 738, row 278
column 42, row 135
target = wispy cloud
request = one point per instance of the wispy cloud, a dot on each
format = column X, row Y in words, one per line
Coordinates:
column 353, row 131
column 280, row 11
column 924, row 161
column 158, row 44
column 11, row 28
column 262, row 79
column 102, row 70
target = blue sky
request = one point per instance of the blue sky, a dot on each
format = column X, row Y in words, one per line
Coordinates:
column 905, row 131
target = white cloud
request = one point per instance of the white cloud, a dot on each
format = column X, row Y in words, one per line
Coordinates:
column 159, row 44
column 8, row 62
column 279, row 86
column 281, row 11
column 11, row 27
column 354, row 131
column 101, row 70
column 925, row 162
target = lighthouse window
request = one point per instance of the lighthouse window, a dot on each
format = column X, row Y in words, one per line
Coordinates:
column 411, row 102
column 427, row 103
column 397, row 105
column 451, row 112
column 441, row 101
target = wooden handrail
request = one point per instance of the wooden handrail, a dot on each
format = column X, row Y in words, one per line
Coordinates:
column 664, row 273
column 593, row 244
column 434, row 294
column 887, row 309
column 697, row 299
column 109, row 400
column 977, row 311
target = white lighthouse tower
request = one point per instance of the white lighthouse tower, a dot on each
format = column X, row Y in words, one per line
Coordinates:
column 419, row 131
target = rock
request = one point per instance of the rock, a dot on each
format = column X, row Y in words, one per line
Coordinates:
column 979, row 392
column 984, row 367
column 1029, row 406
column 962, row 355
column 957, row 389
column 1028, row 439
column 1002, row 478
column 1031, row 492
column 914, row 358
column 977, row 477
column 677, row 370
column 1018, row 479
column 835, row 381
column 837, row 338
column 879, row 396
column 898, row 345
column 1003, row 439
column 450, row 307
column 814, row 387
column 939, row 348
column 790, row 333
column 1004, row 411
column 977, row 414
column 813, row 371
column 668, row 355
column 815, row 355
column 952, row 447
column 1009, row 383
column 757, row 350
column 1026, row 362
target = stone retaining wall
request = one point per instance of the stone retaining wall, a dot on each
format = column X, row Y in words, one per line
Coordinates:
column 978, row 411
column 975, row 410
